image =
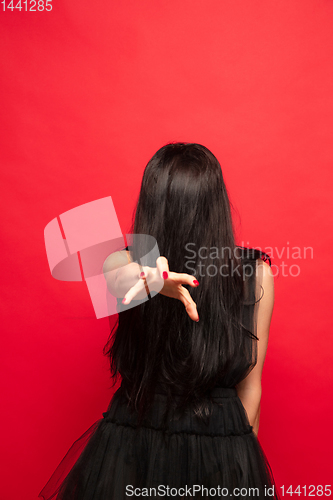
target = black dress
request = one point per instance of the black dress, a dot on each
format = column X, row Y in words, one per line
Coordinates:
column 115, row 460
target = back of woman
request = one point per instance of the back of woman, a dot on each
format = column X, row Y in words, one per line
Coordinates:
column 185, row 419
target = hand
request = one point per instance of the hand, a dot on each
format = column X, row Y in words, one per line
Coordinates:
column 167, row 283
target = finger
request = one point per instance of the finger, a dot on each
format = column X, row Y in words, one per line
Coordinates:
column 163, row 267
column 134, row 291
column 191, row 310
column 184, row 279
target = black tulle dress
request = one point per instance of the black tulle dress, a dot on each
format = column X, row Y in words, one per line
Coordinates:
column 115, row 460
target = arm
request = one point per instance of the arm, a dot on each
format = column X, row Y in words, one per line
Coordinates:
column 249, row 389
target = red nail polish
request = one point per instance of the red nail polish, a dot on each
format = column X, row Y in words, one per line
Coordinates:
column 196, row 282
column 142, row 274
column 124, row 300
column 165, row 275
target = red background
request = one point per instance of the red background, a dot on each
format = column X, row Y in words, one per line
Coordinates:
column 89, row 92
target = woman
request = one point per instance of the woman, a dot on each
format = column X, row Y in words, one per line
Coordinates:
column 185, row 419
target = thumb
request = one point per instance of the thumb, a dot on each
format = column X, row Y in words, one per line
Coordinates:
column 190, row 305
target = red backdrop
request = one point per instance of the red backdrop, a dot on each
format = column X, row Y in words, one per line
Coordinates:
column 90, row 90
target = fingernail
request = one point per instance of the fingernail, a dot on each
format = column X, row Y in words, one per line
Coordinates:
column 197, row 319
column 124, row 301
column 142, row 274
column 196, row 282
column 165, row 275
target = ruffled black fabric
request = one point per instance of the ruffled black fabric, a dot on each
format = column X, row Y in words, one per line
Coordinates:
column 115, row 455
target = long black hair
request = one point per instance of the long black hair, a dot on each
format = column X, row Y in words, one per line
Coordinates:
column 184, row 204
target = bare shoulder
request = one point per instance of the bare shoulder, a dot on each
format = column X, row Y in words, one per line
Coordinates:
column 266, row 281
column 265, row 273
column 261, row 263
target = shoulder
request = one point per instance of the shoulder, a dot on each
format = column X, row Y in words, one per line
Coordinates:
column 265, row 279
column 265, row 272
column 261, row 265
